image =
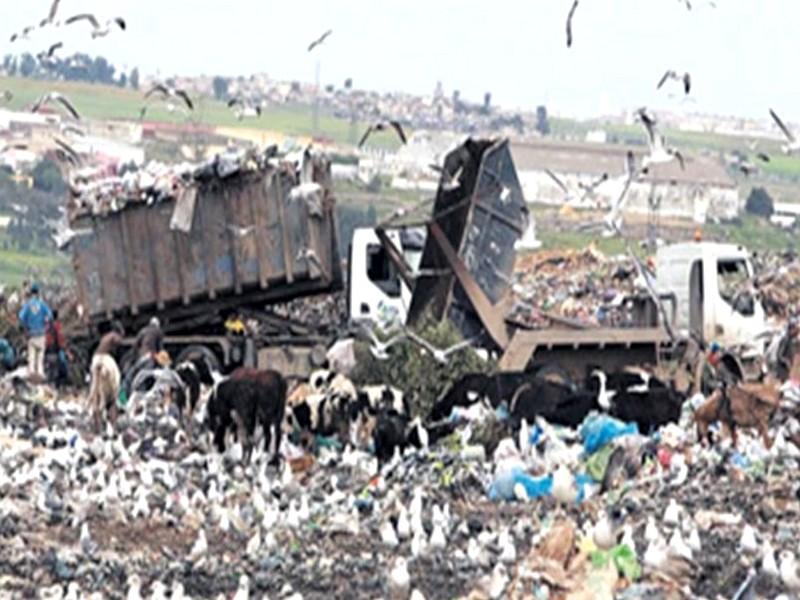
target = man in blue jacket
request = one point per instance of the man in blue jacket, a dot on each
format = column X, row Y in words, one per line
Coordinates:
column 34, row 318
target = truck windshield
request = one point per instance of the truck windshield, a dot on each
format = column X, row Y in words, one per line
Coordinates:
column 733, row 279
column 381, row 271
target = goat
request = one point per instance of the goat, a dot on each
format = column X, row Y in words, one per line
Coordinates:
column 248, row 398
column 104, row 389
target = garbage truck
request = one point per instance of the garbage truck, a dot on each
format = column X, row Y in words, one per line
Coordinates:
column 458, row 265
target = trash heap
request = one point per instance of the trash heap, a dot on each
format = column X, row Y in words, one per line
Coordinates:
column 490, row 511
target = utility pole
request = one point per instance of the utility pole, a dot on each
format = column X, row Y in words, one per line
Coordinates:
column 315, row 109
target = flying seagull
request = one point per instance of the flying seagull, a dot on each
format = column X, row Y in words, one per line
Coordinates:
column 60, row 99
column 686, row 78
column 569, row 23
column 659, row 152
column 379, row 349
column 167, row 92
column 97, row 29
column 243, row 109
column 439, row 355
column 23, row 35
column 612, row 222
column 384, row 126
column 68, row 150
column 793, row 145
column 6, row 147
column 51, row 17
column 319, row 40
column 449, row 182
column 46, row 56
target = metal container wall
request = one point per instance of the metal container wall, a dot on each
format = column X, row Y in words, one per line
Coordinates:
column 247, row 242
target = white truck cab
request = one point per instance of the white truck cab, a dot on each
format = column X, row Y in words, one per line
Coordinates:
column 375, row 290
column 715, row 299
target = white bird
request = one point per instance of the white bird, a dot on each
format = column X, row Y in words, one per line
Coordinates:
column 604, row 395
column 177, row 592
column 684, row 78
column 439, row 355
column 98, row 30
column 58, row 98
column 564, row 488
column 508, row 551
column 496, row 584
column 790, row 571
column 419, row 544
column 134, row 587
column 399, row 579
column 165, row 93
column 693, row 540
column 659, row 152
column 651, row 532
column 159, row 591
column 73, row 591
column 607, row 529
column 388, row 534
column 672, row 515
column 88, row 546
column 768, row 564
column 416, row 595
column 304, row 511
column 627, row 539
column 292, row 519
column 254, row 544
column 241, row 108
column 379, row 349
column 243, row 591
column 748, row 542
column 200, row 547
column 792, row 145
column 438, row 540
column 679, row 546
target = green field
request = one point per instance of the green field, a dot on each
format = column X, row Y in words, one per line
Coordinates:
column 108, row 102
column 17, row 266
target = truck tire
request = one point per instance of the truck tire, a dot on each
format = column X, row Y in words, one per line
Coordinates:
column 204, row 351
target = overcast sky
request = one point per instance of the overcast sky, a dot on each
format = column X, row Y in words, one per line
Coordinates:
column 742, row 55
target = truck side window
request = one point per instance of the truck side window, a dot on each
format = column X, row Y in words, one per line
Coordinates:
column 381, row 272
column 734, row 285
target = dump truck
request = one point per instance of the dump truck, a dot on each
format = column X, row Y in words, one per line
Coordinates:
column 459, row 263
column 226, row 246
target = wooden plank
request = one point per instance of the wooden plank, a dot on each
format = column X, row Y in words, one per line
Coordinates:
column 490, row 316
column 128, row 251
column 288, row 257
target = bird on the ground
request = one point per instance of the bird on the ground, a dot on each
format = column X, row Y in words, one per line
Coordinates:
column 399, row 579
column 790, row 571
column 693, row 541
column 98, row 30
column 748, row 542
column 388, row 534
column 384, row 126
column 564, row 487
column 684, row 78
column 439, row 355
column 607, row 531
column 319, row 40
column 569, row 22
column 158, row 591
column 416, row 595
column 242, row 108
column 403, row 524
column 651, row 532
column 768, row 564
column 679, row 546
column 438, row 540
column 508, row 551
column 166, row 92
column 243, row 590
column 793, row 144
column 672, row 514
column 73, row 591
column 199, row 548
column 660, row 557
column 659, row 152
column 254, row 544
column 88, row 546
column 58, row 98
column 134, row 587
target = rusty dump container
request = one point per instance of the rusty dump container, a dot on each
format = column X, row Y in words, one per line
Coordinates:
column 254, row 238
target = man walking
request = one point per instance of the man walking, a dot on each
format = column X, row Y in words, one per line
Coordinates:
column 34, row 318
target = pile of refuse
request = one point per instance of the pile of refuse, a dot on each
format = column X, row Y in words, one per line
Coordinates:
column 489, row 511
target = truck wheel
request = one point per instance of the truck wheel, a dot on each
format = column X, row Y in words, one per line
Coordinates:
column 205, row 352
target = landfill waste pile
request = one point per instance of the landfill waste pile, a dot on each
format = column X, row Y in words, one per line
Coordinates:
column 488, row 508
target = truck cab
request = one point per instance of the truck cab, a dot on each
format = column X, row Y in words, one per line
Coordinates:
column 711, row 283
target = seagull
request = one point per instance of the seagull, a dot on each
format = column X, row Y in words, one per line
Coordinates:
column 440, row 356
column 768, row 564
column 23, row 35
column 58, row 98
column 199, row 548
column 378, row 348
column 508, row 551
column 243, row 109
column 384, row 126
column 319, row 40
column 793, row 144
column 790, row 571
column 46, row 55
column 672, row 513
column 67, row 152
column 388, row 534
column 659, row 153
column 399, row 579
column 243, row 591
column 134, row 587
column 589, row 188
column 403, row 524
column 241, row 232
column 686, row 78
column 608, row 529
column 168, row 92
column 51, row 17
column 569, row 23
column 748, row 542
column 97, row 29
column 438, row 540
column 564, row 488
column 18, row 146
column 88, row 546
column 450, row 182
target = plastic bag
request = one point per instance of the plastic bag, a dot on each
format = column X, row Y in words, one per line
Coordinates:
column 597, row 430
column 502, row 487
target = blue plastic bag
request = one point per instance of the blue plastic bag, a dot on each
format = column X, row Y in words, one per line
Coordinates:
column 597, row 430
column 502, row 487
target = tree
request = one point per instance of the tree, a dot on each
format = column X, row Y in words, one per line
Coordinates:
column 542, row 122
column 123, row 80
column 760, row 203
column 28, row 65
column 133, row 79
column 220, row 85
column 47, row 177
